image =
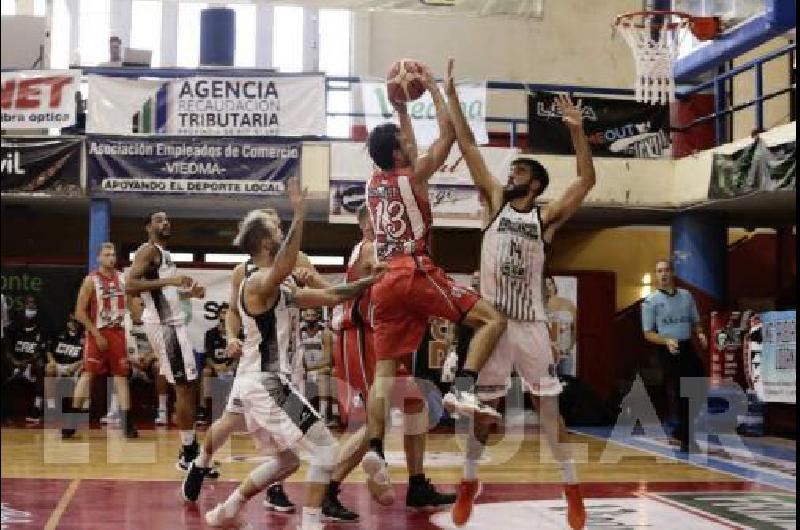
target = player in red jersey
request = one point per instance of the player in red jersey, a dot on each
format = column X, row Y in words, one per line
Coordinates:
column 101, row 309
column 414, row 288
column 355, row 364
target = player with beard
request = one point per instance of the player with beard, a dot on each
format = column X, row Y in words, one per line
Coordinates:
column 263, row 397
column 512, row 266
column 154, row 277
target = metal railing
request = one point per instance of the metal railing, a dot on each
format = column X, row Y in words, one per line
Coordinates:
column 721, row 108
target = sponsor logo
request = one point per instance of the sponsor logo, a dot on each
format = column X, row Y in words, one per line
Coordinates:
column 11, row 164
column 753, row 510
column 152, row 115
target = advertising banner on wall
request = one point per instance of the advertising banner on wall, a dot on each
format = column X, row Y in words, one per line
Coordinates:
column 561, row 305
column 757, row 167
column 778, row 366
column 38, row 99
column 55, row 288
column 454, row 199
column 41, row 165
column 615, row 127
column 190, row 166
column 378, row 109
column 728, row 329
column 292, row 105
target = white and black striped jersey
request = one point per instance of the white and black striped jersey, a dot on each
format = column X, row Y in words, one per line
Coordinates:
column 312, row 348
column 163, row 305
column 270, row 338
column 512, row 263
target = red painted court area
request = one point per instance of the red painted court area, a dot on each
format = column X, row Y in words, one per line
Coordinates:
column 129, row 504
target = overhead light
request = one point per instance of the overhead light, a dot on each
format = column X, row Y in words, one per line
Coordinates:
column 177, row 257
column 327, row 261
column 647, row 285
column 225, row 258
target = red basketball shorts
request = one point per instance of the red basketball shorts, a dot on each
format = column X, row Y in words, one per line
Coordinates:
column 114, row 359
column 412, row 291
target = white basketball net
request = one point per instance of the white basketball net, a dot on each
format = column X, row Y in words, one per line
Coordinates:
column 655, row 49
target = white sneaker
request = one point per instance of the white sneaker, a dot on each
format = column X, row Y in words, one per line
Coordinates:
column 378, row 482
column 112, row 418
column 467, row 404
column 217, row 518
column 161, row 417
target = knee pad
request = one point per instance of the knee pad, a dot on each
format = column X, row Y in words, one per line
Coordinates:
column 284, row 464
column 323, row 447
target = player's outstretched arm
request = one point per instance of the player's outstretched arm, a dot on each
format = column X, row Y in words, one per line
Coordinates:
column 333, row 295
column 558, row 212
column 286, row 257
column 406, row 128
column 309, row 273
column 488, row 185
column 426, row 165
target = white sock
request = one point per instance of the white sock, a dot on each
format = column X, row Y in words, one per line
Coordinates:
column 311, row 516
column 568, row 472
column 187, row 437
column 234, row 503
column 162, row 402
column 37, row 402
column 51, row 403
column 113, row 408
column 470, row 469
column 203, row 458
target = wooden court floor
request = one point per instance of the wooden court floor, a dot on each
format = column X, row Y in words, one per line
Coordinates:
column 101, row 480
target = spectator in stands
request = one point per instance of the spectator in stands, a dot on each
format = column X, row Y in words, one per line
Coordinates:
column 561, row 317
column 25, row 355
column 669, row 316
column 219, row 365
column 316, row 345
column 64, row 358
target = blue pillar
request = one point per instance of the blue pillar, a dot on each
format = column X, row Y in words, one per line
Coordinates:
column 700, row 252
column 99, row 227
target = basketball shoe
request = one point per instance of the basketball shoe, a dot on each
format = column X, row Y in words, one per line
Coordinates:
column 468, row 491
column 576, row 513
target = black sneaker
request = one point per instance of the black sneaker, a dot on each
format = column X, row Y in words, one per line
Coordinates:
column 67, row 434
column 276, row 500
column 127, row 426
column 213, row 471
column 35, row 415
column 186, row 456
column 193, row 482
column 422, row 495
column 333, row 510
column 202, row 417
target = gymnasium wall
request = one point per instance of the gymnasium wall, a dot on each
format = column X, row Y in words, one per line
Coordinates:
column 530, row 50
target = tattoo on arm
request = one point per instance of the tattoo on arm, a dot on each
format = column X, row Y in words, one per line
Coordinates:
column 345, row 291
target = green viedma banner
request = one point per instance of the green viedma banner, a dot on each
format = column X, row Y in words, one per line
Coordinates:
column 757, row 167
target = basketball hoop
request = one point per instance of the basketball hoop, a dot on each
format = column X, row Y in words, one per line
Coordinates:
column 655, row 38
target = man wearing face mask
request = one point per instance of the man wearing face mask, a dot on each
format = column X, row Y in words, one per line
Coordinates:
column 26, row 353
column 512, row 267
column 64, row 357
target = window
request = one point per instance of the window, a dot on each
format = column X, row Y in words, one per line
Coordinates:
column 189, row 34
column 93, row 31
column 334, row 60
column 8, row 8
column 245, row 56
column 287, row 44
column 59, row 35
column 146, row 28
column 40, row 8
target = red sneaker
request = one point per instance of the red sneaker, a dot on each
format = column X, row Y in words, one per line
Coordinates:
column 576, row 513
column 468, row 491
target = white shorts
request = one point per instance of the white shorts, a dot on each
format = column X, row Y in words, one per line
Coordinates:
column 524, row 346
column 277, row 415
column 174, row 350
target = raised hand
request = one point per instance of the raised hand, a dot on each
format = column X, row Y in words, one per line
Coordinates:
column 296, row 197
column 427, row 76
column 571, row 113
column 449, row 82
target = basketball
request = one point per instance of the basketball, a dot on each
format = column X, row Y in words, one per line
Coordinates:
column 404, row 81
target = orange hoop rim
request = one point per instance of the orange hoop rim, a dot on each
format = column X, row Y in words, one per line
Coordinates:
column 626, row 20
